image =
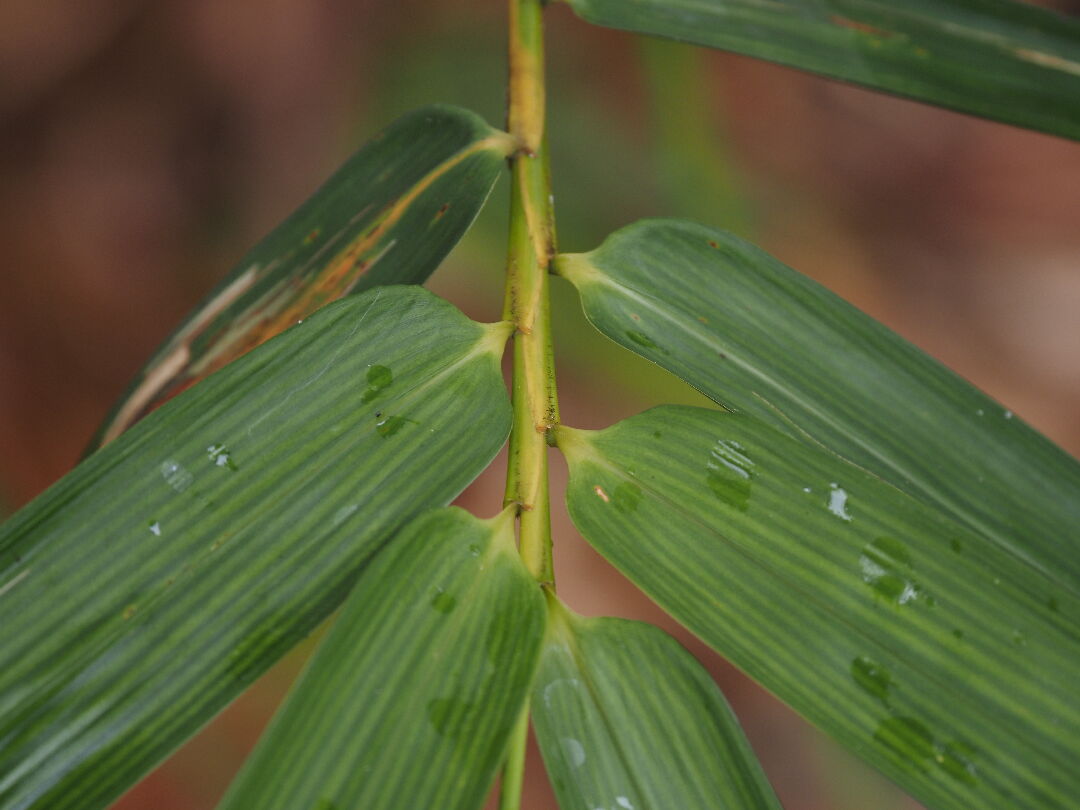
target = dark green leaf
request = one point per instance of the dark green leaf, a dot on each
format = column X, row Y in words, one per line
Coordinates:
column 411, row 698
column 998, row 59
column 921, row 646
column 388, row 216
column 628, row 720
column 757, row 337
column 152, row 584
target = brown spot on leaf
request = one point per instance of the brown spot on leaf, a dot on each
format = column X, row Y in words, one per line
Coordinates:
column 861, row 27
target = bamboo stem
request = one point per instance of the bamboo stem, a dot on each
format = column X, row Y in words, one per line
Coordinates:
column 531, row 246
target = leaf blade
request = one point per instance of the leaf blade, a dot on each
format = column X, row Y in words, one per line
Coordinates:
column 1008, row 61
column 626, row 718
column 756, row 336
column 388, row 216
column 145, row 590
column 914, row 642
column 419, row 684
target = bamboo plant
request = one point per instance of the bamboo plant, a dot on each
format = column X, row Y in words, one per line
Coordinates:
column 887, row 549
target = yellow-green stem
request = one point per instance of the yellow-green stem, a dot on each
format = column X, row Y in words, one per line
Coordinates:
column 514, row 767
column 531, row 246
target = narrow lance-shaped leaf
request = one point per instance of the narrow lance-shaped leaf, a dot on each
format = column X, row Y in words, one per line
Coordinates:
column 388, row 216
column 757, row 337
column 1010, row 61
column 628, row 720
column 411, row 698
column 152, row 584
column 941, row 659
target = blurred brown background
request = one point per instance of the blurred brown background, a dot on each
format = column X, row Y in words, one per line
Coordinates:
column 145, row 145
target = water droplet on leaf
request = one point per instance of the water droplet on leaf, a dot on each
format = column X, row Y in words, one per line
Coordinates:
column 220, row 456
column 908, row 738
column 573, row 752
column 626, row 497
column 450, row 716
column 729, row 473
column 872, row 677
column 390, row 425
column 442, row 601
column 378, row 379
column 838, row 498
column 885, row 566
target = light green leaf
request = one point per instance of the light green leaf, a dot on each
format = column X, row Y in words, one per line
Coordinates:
column 628, row 720
column 388, row 216
column 757, row 337
column 411, row 698
column 999, row 59
column 148, row 587
column 940, row 658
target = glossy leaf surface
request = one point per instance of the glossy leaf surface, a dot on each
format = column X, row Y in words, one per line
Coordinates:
column 628, row 720
column 411, row 698
column 919, row 645
column 758, row 337
column 998, row 59
column 388, row 216
column 153, row 583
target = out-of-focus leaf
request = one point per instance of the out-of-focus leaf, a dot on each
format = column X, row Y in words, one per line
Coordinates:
column 693, row 162
column 999, row 59
column 755, row 336
column 937, row 656
column 411, row 698
column 628, row 720
column 152, row 584
column 388, row 216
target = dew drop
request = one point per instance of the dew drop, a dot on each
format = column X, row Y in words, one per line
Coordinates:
column 956, row 546
column 344, row 513
column 641, row 339
column 957, row 760
column 626, row 497
column 378, row 379
column 908, row 738
column 838, row 498
column 443, row 602
column 729, row 473
column 573, row 751
column 390, row 425
column 449, row 716
column 552, row 690
column 175, row 475
column 474, row 549
column 624, row 802
column 1019, row 639
column 221, row 456
column 155, row 528
column 871, row 677
column 885, row 566
column 1008, row 414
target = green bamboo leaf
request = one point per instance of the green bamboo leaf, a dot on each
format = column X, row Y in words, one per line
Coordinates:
column 388, row 216
column 628, row 720
column 152, row 584
column 918, row 644
column 1009, row 61
column 411, row 698
column 757, row 337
